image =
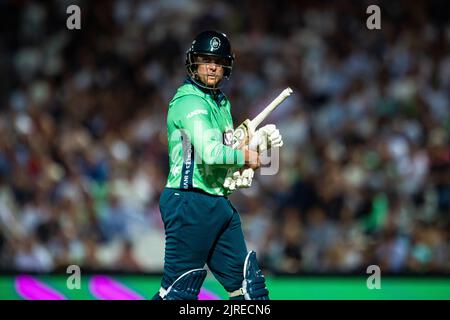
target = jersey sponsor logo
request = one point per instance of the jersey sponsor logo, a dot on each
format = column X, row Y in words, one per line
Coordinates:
column 228, row 138
column 187, row 170
column 187, row 176
column 196, row 112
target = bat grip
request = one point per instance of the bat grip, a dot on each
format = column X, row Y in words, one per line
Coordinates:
column 253, row 144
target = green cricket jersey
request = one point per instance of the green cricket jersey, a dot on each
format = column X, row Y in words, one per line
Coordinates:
column 200, row 131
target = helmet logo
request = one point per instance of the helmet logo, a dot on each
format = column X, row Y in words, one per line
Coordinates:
column 214, row 43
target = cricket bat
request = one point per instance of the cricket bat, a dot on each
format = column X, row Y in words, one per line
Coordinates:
column 244, row 131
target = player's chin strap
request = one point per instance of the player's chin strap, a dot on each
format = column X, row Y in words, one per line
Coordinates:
column 254, row 283
column 185, row 287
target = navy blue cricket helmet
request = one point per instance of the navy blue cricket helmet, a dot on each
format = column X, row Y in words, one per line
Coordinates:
column 210, row 43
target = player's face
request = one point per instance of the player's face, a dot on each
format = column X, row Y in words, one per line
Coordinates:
column 210, row 70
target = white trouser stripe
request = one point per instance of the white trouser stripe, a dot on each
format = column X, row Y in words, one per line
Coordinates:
column 163, row 292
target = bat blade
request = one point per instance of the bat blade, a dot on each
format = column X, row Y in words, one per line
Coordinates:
column 272, row 106
column 248, row 127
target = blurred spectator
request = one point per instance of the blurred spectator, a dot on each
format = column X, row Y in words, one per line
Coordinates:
column 126, row 260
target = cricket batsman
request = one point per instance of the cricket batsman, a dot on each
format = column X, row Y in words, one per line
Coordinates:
column 201, row 224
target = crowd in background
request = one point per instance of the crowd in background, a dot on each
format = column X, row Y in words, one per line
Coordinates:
column 364, row 173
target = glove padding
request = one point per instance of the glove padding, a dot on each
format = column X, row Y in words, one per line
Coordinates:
column 266, row 138
column 263, row 139
column 239, row 179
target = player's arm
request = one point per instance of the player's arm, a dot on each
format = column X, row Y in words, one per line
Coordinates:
column 193, row 115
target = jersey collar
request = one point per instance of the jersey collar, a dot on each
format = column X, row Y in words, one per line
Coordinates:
column 216, row 95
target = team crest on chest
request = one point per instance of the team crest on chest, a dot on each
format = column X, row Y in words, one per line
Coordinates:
column 228, row 138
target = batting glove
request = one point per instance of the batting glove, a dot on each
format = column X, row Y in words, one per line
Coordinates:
column 239, row 179
column 266, row 138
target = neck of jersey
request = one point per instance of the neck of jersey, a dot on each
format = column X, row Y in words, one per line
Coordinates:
column 216, row 94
